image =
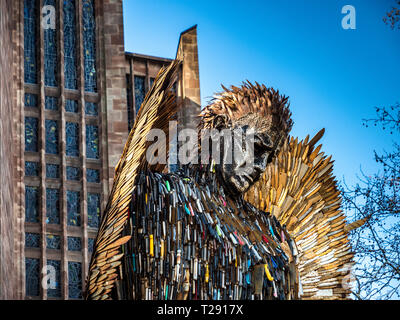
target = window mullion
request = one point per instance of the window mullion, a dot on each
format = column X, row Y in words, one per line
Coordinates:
column 81, row 86
column 63, row 200
column 42, row 149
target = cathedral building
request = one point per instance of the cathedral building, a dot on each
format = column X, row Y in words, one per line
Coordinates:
column 69, row 94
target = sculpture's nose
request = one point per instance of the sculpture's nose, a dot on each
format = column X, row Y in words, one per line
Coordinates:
column 260, row 165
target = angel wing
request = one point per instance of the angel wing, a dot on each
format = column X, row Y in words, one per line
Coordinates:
column 301, row 191
column 159, row 107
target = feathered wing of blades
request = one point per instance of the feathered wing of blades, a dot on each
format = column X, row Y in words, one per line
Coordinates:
column 158, row 109
column 299, row 189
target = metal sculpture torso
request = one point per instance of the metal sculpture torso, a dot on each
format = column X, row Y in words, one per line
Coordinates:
column 191, row 241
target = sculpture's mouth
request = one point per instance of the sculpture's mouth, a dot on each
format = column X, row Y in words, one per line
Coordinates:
column 238, row 183
column 241, row 182
column 248, row 178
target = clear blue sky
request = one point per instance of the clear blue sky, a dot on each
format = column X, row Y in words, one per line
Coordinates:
column 334, row 77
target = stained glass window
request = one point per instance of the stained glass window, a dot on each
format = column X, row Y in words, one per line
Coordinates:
column 51, row 137
column 31, row 100
column 74, row 280
column 51, row 103
column 92, row 142
column 50, row 50
column 52, row 171
column 71, row 106
column 31, row 169
column 129, row 100
column 90, row 244
column 54, row 288
column 32, row 240
column 93, row 176
column 139, row 92
column 32, row 277
column 91, row 109
column 31, row 204
column 89, row 45
column 70, row 45
column 73, row 174
column 72, row 136
column 93, row 201
column 30, row 41
column 53, row 206
column 31, row 134
column 73, row 208
column 53, row 242
column 74, row 244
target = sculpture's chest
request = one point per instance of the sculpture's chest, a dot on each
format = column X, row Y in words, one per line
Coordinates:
column 189, row 242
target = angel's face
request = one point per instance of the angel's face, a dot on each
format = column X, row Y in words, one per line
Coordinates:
column 251, row 154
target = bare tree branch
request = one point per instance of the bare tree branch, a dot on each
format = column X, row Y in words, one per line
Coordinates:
column 377, row 242
column 392, row 18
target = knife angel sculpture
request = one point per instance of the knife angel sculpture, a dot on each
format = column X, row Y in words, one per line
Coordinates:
column 222, row 230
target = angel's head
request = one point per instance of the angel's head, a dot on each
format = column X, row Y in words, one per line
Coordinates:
column 254, row 109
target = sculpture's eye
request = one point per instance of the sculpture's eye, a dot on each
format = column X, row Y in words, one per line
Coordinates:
column 259, row 149
column 261, row 145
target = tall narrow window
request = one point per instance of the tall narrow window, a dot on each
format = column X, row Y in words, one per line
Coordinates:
column 92, row 142
column 51, row 137
column 93, row 201
column 73, row 208
column 31, row 134
column 74, row 280
column 139, row 92
column 72, row 136
column 30, row 40
column 129, row 100
column 31, row 204
column 32, row 277
column 50, row 47
column 70, row 44
column 90, row 244
column 89, row 45
column 53, row 206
